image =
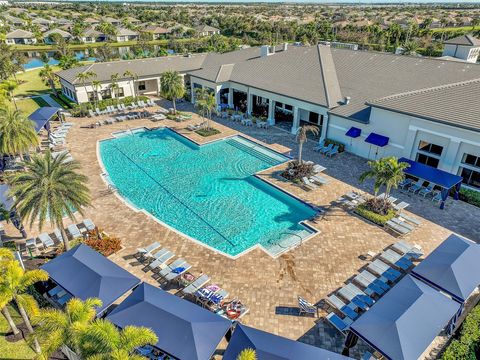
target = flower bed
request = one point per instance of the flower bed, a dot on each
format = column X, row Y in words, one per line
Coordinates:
column 295, row 171
column 380, row 219
column 207, row 132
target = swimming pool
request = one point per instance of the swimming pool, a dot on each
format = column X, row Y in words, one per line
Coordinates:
column 207, row 192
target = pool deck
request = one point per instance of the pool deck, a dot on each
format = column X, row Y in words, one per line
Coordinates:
column 313, row 270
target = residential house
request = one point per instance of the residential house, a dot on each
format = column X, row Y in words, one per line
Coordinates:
column 91, row 36
column 123, row 35
column 12, row 20
column 91, row 21
column 207, row 30
column 464, row 47
column 20, row 36
column 49, row 39
column 42, row 22
column 113, row 21
column 156, row 32
column 133, row 21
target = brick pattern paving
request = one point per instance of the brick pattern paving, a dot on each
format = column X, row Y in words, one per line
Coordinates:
column 313, row 270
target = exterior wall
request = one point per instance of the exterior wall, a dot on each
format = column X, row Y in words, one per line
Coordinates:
column 405, row 133
column 25, row 41
column 82, row 94
column 467, row 53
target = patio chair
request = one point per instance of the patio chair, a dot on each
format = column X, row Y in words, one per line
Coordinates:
column 197, row 284
column 340, row 324
column 161, row 257
column 192, row 127
column 74, row 231
column 53, row 292
column 89, row 225
column 417, row 186
column 31, row 243
column 360, row 294
column 426, row 190
column 399, row 229
column 379, row 281
column 173, row 265
column 306, row 307
column 371, row 288
column 320, row 146
column 176, row 272
column 347, row 294
column 150, row 102
column 318, row 168
column 401, row 205
column 410, row 251
column 403, row 223
column 147, row 251
column 46, row 240
column 318, row 179
column 405, row 183
column 326, row 149
column 122, row 107
column 332, row 152
column 98, row 112
column 308, row 184
column 437, row 196
column 347, row 310
column 91, row 113
column 410, row 219
column 380, row 268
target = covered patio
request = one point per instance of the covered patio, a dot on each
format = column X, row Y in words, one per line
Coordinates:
column 453, row 267
column 444, row 179
column 403, row 323
column 184, row 330
column 84, row 273
column 42, row 116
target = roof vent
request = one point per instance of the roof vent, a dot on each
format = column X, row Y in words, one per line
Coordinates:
column 346, row 100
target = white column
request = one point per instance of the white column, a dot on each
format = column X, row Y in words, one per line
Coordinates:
column 217, row 96
column 296, row 120
column 192, row 93
column 230, row 98
column 448, row 162
column 249, row 102
column 271, row 112
column 408, row 149
column 158, row 87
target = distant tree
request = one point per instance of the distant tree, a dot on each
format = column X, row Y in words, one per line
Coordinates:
column 49, row 77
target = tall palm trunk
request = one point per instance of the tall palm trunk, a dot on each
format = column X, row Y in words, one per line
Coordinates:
column 174, row 101
column 300, row 151
column 61, row 226
column 28, row 324
column 13, row 100
column 10, row 321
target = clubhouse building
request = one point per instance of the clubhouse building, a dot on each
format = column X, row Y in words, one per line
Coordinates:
column 376, row 104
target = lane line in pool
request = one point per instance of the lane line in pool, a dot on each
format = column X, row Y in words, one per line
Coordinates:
column 173, row 195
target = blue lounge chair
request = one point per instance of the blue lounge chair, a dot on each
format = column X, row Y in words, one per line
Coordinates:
column 380, row 282
column 342, row 325
column 417, row 186
column 405, row 183
column 371, row 288
column 396, row 259
column 306, row 307
column 347, row 310
column 176, row 272
column 320, row 146
column 326, row 149
column 426, row 190
column 64, row 299
column 382, row 269
column 54, row 291
column 353, row 298
column 332, row 152
column 360, row 294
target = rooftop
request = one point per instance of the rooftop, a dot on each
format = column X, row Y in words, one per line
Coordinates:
column 467, row 40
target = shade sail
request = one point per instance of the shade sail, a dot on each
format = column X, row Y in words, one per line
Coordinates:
column 272, row 347
column 453, row 267
column 42, row 116
column 431, row 174
column 353, row 132
column 85, row 273
column 377, row 139
column 184, row 330
column 404, row 322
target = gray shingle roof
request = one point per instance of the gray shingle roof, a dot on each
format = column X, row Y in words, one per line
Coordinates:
column 203, row 28
column 467, row 40
column 142, row 67
column 60, row 32
column 456, row 103
column 126, row 32
column 19, row 34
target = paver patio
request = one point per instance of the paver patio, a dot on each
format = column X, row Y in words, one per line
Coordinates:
column 312, row 270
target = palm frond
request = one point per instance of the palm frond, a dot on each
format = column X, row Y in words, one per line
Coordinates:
column 133, row 337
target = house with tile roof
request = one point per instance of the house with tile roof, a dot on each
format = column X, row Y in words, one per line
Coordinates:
column 207, row 30
column 22, row 37
column 424, row 109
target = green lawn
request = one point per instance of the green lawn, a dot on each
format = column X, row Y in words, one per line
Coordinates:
column 462, row 28
column 17, row 350
column 27, row 106
column 31, row 84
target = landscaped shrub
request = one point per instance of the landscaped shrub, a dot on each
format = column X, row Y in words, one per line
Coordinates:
column 341, row 146
column 207, row 132
column 80, row 110
column 295, row 171
column 468, row 344
column 374, row 217
column 103, row 243
column 470, row 196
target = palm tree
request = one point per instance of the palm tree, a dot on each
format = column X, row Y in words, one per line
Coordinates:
column 13, row 286
column 10, row 86
column 114, row 85
column 17, row 133
column 101, row 340
column 206, row 104
column 171, row 87
column 96, row 84
column 387, row 172
column 49, row 77
column 85, row 76
column 410, row 47
column 5, row 256
column 302, row 137
column 49, row 189
column 131, row 76
column 247, row 354
column 56, row 327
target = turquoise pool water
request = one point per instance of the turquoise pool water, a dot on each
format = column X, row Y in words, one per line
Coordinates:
column 207, row 192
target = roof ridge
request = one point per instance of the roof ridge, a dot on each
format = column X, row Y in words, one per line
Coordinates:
column 424, row 90
column 326, row 76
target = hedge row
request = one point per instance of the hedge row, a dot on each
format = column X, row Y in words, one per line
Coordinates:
column 467, row 346
column 373, row 216
column 470, row 196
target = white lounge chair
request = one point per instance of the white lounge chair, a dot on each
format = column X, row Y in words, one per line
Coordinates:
column 146, row 251
column 161, row 257
column 89, row 225
column 318, row 179
column 74, row 231
column 46, row 240
column 91, row 113
column 196, row 285
column 308, row 184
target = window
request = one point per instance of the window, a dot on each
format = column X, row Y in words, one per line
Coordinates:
column 427, row 160
column 120, row 92
column 142, row 86
column 470, row 170
column 106, row 94
column 288, row 107
column 91, row 96
column 427, row 147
